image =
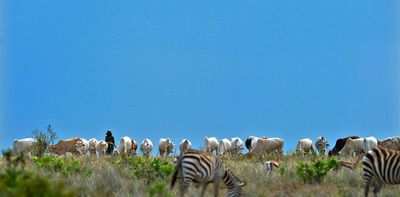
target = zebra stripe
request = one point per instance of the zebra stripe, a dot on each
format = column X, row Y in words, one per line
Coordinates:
column 204, row 168
column 380, row 165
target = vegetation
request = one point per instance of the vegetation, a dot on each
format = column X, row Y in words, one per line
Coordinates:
column 137, row 176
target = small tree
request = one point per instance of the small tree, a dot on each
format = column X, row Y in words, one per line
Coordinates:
column 43, row 139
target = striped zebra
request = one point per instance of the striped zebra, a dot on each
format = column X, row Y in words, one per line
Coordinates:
column 204, row 168
column 380, row 166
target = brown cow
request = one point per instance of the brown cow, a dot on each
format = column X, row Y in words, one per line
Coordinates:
column 133, row 148
column 165, row 146
column 64, row 146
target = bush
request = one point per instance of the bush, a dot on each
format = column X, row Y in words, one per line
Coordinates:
column 316, row 171
column 147, row 168
column 66, row 167
column 159, row 189
column 15, row 181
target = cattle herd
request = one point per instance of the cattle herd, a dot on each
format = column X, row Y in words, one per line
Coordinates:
column 386, row 151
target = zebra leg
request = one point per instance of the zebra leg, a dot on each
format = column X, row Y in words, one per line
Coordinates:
column 216, row 187
column 184, row 185
column 203, row 190
column 377, row 187
column 366, row 190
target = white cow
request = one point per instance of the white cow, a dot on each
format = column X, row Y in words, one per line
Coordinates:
column 82, row 146
column 369, row 143
column 146, row 147
column 304, row 146
column 321, row 144
column 237, row 145
column 211, row 144
column 92, row 146
column 125, row 145
column 102, row 147
column 165, row 147
column 24, row 145
column 184, row 146
column 225, row 147
column 269, row 145
column 352, row 146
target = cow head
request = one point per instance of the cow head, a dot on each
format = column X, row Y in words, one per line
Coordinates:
column 81, row 146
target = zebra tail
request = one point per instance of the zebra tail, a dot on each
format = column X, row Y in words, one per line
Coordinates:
column 177, row 169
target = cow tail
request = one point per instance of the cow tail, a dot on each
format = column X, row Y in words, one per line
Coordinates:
column 177, row 170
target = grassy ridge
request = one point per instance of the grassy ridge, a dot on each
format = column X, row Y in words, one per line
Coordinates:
column 122, row 176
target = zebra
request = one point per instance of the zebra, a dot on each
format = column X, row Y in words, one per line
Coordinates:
column 204, row 168
column 380, row 165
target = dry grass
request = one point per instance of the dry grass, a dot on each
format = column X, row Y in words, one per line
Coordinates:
column 109, row 179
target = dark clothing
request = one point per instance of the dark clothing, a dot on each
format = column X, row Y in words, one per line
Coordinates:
column 111, row 143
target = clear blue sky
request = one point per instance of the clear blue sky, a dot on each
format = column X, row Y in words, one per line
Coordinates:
column 189, row 69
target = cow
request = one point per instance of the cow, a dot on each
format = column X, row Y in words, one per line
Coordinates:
column 64, row 146
column 339, row 145
column 211, row 144
column 390, row 143
column 184, row 146
column 225, row 147
column 82, row 146
column 125, row 145
column 321, row 144
column 369, row 143
column 165, row 147
column 101, row 147
column 352, row 146
column 25, row 145
column 133, row 149
column 269, row 145
column 250, row 143
column 304, row 146
column 146, row 147
column 237, row 145
column 92, row 146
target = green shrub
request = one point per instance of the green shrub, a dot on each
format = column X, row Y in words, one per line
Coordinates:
column 66, row 166
column 147, row 168
column 316, row 171
column 159, row 189
column 15, row 181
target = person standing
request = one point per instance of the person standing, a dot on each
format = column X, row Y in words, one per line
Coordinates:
column 110, row 141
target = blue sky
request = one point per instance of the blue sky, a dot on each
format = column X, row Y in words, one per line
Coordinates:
column 189, row 69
